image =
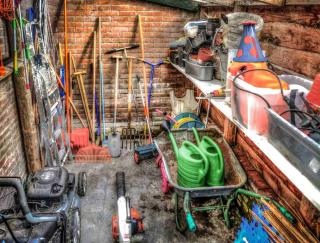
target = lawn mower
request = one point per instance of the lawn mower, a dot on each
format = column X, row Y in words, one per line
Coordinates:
column 46, row 209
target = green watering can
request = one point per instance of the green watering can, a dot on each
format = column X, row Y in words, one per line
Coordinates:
column 193, row 165
column 215, row 176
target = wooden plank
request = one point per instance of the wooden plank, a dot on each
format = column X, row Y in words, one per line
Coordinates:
column 307, row 16
column 303, row 62
column 292, row 35
column 182, row 4
column 230, row 132
column 213, row 3
column 273, row 2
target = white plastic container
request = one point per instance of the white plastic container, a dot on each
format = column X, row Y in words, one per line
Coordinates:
column 249, row 107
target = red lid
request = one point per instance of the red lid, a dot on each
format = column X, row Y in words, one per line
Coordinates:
column 249, row 23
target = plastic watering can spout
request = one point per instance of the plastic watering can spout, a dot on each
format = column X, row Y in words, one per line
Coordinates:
column 166, row 128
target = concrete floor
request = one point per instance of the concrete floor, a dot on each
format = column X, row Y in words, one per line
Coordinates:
column 143, row 187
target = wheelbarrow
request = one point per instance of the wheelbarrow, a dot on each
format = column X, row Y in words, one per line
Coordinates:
column 234, row 177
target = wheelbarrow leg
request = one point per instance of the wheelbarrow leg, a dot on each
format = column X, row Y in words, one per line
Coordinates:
column 186, row 207
column 178, row 211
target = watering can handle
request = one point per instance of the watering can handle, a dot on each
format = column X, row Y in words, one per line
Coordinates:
column 202, row 173
column 196, row 135
column 219, row 154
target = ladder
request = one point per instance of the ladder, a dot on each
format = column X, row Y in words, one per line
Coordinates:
column 54, row 140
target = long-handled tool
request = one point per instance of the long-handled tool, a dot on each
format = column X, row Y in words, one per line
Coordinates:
column 102, row 115
column 67, row 96
column 83, row 94
column 114, row 140
column 133, row 46
column 128, row 222
column 146, row 108
column 147, row 151
column 94, row 87
column 15, row 49
column 128, row 134
column 66, row 64
column 153, row 66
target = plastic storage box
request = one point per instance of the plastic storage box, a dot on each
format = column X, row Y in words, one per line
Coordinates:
column 297, row 147
column 199, row 71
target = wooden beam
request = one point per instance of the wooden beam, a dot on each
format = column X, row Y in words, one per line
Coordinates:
column 215, row 3
column 273, row 2
column 188, row 5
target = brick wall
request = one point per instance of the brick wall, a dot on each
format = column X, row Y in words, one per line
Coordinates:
column 3, row 40
column 12, row 160
column 119, row 28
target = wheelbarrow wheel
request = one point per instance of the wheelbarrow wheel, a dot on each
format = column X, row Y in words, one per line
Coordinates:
column 179, row 213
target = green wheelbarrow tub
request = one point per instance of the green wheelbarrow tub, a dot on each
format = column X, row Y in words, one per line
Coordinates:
column 234, row 175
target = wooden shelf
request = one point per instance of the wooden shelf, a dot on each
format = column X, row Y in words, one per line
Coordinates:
column 293, row 174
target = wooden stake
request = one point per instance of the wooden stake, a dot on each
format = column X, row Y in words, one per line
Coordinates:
column 94, row 86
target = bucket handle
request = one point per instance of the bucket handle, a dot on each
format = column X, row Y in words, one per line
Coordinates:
column 260, row 96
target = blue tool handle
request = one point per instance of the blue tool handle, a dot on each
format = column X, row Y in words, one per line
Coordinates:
column 191, row 224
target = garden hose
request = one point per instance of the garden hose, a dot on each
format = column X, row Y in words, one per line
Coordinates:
column 182, row 121
column 282, row 209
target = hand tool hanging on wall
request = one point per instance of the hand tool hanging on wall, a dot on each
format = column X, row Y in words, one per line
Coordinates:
column 114, row 140
column 128, row 222
column 94, row 87
column 102, row 111
column 146, row 108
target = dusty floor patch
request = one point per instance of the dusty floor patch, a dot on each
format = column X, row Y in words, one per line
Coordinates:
column 143, row 186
